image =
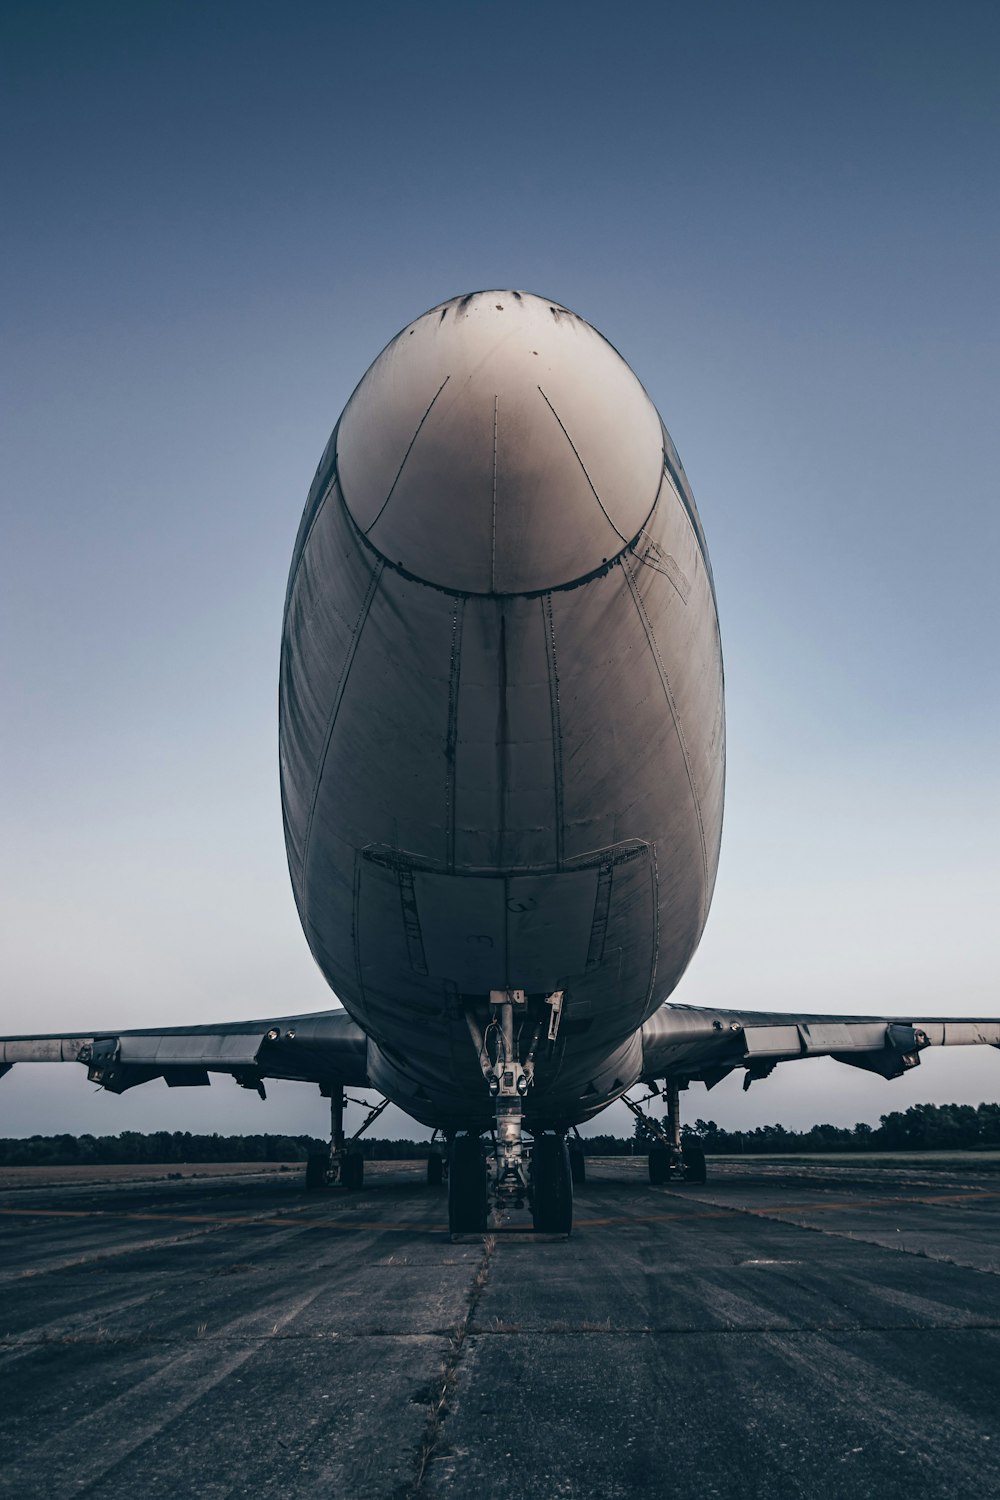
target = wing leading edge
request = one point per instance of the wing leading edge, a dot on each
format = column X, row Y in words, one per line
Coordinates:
column 682, row 1042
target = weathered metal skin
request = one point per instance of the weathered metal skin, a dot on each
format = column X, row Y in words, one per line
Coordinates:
column 501, row 720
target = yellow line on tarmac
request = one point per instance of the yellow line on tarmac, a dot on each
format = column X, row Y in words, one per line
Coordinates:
column 975, row 1196
column 222, row 1220
column 298, row 1221
column 929, row 1198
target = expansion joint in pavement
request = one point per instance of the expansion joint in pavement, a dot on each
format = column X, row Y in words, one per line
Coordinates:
column 449, row 1376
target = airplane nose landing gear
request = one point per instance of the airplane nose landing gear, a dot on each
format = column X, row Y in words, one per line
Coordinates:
column 509, row 1080
column 548, row 1181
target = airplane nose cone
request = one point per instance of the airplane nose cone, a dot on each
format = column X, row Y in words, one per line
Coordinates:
column 499, row 445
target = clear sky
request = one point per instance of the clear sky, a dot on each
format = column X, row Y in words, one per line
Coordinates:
column 214, row 215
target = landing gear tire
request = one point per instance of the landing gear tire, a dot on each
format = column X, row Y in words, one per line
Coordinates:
column 352, row 1172
column 659, row 1165
column 468, row 1203
column 317, row 1165
column 694, row 1162
column 435, row 1171
column 578, row 1168
column 552, row 1185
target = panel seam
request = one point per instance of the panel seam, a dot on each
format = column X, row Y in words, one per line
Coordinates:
column 493, row 542
column 583, row 466
column 451, row 733
column 406, row 455
column 548, row 626
column 337, row 700
column 671, row 704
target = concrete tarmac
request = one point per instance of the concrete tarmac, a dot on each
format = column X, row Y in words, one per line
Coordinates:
column 804, row 1331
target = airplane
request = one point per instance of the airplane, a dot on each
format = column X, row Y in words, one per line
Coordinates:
column 502, row 763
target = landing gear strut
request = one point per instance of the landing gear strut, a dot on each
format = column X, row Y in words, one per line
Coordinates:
column 438, row 1157
column 671, row 1157
column 342, row 1164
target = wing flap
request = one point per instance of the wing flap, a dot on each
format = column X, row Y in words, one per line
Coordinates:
column 222, row 1051
column 771, row 1041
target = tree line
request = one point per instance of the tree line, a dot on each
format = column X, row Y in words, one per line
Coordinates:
column 181, row 1147
column 160, row 1147
column 922, row 1127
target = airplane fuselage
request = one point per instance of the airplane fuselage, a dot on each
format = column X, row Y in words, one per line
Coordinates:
column 501, row 708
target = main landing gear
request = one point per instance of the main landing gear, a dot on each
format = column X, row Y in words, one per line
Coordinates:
column 342, row 1165
column 539, row 1173
column 672, row 1158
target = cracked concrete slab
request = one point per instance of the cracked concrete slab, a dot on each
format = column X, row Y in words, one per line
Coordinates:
column 757, row 1336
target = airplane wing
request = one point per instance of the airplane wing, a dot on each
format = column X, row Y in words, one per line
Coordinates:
column 680, row 1041
column 321, row 1048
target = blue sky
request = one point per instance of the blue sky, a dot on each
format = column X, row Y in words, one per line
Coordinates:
column 784, row 216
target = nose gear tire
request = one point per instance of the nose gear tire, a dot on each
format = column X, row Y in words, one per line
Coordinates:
column 552, row 1186
column 468, row 1203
